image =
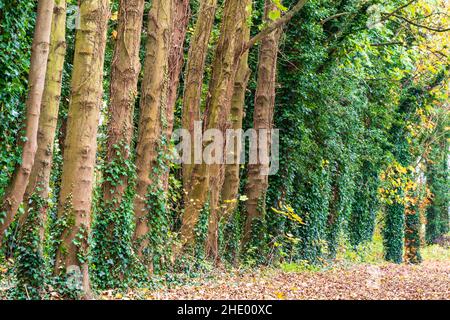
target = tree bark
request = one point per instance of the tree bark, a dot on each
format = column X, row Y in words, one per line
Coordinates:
column 179, row 23
column 257, row 183
column 74, row 209
column 36, row 81
column 195, row 69
column 125, row 70
column 231, row 176
column 206, row 179
column 40, row 174
column 153, row 122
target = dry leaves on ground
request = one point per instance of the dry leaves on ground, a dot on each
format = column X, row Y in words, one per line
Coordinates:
column 430, row 280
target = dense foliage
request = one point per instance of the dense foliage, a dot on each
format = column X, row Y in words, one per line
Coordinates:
column 362, row 107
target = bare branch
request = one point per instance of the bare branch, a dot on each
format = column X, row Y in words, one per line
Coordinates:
column 337, row 15
column 421, row 25
column 387, row 43
column 388, row 15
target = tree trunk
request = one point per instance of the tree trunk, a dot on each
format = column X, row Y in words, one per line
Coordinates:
column 231, row 176
column 412, row 233
column 112, row 230
column 74, row 210
column 198, row 51
column 437, row 174
column 152, row 124
column 179, row 23
column 206, row 179
column 30, row 239
column 40, row 174
column 257, row 183
column 36, row 81
column 125, row 70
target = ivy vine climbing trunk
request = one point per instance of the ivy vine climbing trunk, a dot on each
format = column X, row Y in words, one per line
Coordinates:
column 125, row 70
column 36, row 82
column 149, row 202
column 206, row 178
column 257, row 182
column 74, row 208
column 437, row 174
column 195, row 69
column 403, row 216
column 412, row 233
column 231, row 170
column 112, row 232
column 364, row 208
column 334, row 214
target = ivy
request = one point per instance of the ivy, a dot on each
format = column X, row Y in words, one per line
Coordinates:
column 113, row 225
column 29, row 252
column 16, row 32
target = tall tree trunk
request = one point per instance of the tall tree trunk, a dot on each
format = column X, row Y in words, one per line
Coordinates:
column 257, row 183
column 152, row 125
column 412, row 233
column 30, row 239
column 111, row 241
column 195, row 69
column 437, row 174
column 40, row 174
column 36, row 81
column 179, row 23
column 74, row 210
column 206, row 179
column 125, row 70
column 231, row 176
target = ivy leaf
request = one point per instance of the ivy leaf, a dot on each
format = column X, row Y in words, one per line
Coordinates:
column 279, row 5
column 274, row 15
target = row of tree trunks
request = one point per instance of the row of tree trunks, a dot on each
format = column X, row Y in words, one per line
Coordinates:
column 257, row 182
column 153, row 120
column 81, row 140
column 36, row 83
column 40, row 174
column 231, row 181
column 206, row 179
column 195, row 69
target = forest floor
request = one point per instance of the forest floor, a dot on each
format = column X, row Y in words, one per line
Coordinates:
column 352, row 276
column 344, row 280
column 430, row 280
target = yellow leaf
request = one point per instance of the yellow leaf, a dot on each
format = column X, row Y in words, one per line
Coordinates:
column 280, row 295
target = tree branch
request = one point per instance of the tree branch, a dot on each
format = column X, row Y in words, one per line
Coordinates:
column 388, row 15
column 334, row 16
column 397, row 10
column 387, row 43
column 420, row 25
column 275, row 25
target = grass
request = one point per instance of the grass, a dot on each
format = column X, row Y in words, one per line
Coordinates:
column 436, row 253
column 368, row 253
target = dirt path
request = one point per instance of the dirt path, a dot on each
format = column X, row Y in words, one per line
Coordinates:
column 430, row 280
